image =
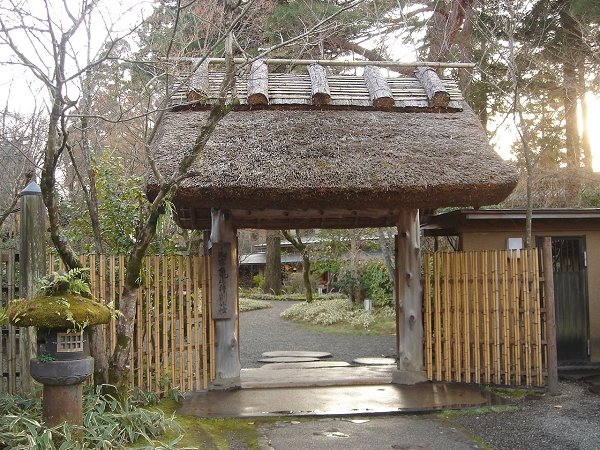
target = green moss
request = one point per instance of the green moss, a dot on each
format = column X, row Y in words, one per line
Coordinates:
column 61, row 311
column 218, row 434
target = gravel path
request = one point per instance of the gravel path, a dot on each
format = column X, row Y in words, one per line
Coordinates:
column 567, row 421
column 263, row 331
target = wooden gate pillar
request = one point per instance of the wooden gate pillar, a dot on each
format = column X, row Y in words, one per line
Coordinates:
column 409, row 315
column 224, row 301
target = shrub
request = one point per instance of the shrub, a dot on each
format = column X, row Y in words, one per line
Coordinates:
column 249, row 304
column 258, row 281
column 335, row 311
column 376, row 281
column 107, row 424
column 294, row 283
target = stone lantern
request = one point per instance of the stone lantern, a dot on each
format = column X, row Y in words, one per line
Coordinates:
column 63, row 359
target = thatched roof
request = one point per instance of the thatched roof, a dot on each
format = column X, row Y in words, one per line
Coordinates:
column 285, row 164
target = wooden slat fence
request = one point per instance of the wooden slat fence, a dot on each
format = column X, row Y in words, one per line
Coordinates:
column 10, row 362
column 483, row 318
column 170, row 331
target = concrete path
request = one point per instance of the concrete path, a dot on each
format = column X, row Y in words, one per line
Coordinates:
column 390, row 432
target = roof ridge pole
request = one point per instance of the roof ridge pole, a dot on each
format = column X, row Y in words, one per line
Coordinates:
column 436, row 92
column 379, row 90
column 321, row 94
column 198, row 88
column 258, row 83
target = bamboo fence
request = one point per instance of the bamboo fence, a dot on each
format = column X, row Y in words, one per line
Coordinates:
column 483, row 318
column 170, row 331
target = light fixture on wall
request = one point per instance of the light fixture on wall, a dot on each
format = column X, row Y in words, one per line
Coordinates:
column 514, row 245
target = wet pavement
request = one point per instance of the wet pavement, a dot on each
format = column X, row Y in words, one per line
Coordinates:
column 388, row 432
column 332, row 400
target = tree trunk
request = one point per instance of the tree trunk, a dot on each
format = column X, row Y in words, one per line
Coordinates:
column 273, row 267
column 119, row 370
column 306, row 276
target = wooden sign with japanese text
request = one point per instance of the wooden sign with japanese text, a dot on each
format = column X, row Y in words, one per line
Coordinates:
column 223, row 289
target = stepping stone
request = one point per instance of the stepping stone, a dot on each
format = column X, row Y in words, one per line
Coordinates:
column 374, row 361
column 296, row 354
column 287, row 359
column 306, row 365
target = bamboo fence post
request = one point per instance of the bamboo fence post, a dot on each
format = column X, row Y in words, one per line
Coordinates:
column 165, row 318
column 12, row 334
column 146, row 351
column 121, row 288
column 527, row 315
column 505, row 319
column 477, row 331
column 446, row 316
column 427, row 311
column 496, row 316
column 211, row 324
column 516, row 315
column 188, row 321
column 111, row 325
column 181, row 350
column 466, row 318
column 156, row 322
column 172, row 311
column 537, row 317
column 205, row 318
column 438, row 316
column 197, row 303
column 137, row 365
column 486, row 319
column 3, row 304
column 456, row 317
column 550, row 316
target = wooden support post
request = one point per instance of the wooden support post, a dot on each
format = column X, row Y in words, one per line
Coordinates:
column 319, row 85
column 550, row 316
column 224, row 301
column 199, row 87
column 258, row 83
column 32, row 262
column 409, row 315
column 436, row 92
column 379, row 90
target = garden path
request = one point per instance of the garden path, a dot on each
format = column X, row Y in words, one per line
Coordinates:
column 264, row 331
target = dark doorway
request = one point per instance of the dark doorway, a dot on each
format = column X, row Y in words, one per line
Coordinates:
column 569, row 263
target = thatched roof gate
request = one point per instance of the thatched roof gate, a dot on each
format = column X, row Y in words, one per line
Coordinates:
column 317, row 150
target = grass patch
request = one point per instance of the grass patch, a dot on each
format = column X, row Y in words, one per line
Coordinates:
column 340, row 316
column 511, row 392
column 449, row 414
column 250, row 304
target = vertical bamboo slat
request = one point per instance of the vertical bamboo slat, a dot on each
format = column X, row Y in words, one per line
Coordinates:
column 180, row 338
column 437, row 317
column 516, row 316
column 477, row 330
column 197, row 343
column 456, row 317
column 156, row 322
column 537, row 317
column 526, row 315
column 466, row 317
column 486, row 319
column 205, row 320
column 173, row 312
column 496, row 318
column 446, row 318
column 137, row 363
column 188, row 324
column 12, row 335
column 506, row 368
column 165, row 322
column 428, row 332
